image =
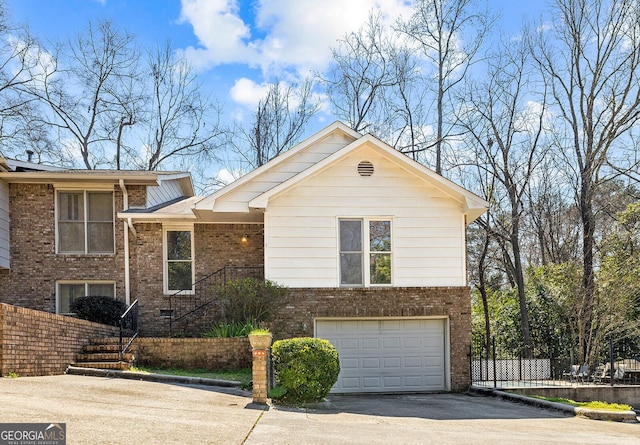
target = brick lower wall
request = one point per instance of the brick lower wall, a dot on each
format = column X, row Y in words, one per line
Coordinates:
column 305, row 305
column 40, row 343
column 193, row 353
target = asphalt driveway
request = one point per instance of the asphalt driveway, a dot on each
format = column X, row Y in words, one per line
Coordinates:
column 101, row 410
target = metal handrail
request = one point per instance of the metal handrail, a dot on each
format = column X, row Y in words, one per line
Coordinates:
column 129, row 322
column 202, row 292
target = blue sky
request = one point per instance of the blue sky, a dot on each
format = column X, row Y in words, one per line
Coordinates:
column 238, row 46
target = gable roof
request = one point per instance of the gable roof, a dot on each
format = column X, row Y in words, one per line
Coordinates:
column 255, row 190
column 334, row 129
column 472, row 205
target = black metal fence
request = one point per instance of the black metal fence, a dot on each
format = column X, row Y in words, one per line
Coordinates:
column 495, row 367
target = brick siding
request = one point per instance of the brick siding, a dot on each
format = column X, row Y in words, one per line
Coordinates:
column 35, row 267
column 305, row 305
column 193, row 353
column 216, row 246
column 40, row 343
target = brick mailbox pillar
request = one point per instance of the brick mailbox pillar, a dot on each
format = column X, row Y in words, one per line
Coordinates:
column 261, row 344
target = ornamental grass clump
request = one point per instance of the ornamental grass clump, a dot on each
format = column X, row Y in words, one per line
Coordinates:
column 306, row 368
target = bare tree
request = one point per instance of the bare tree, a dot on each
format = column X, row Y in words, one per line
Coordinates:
column 439, row 28
column 363, row 70
column 19, row 60
column 590, row 59
column 504, row 118
column 82, row 89
column 277, row 124
column 182, row 122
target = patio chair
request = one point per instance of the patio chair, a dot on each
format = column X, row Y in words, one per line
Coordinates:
column 619, row 373
column 600, row 374
column 583, row 373
column 573, row 373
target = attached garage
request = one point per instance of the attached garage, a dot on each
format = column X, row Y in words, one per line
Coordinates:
column 389, row 355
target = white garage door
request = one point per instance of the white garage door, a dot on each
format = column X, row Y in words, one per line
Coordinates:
column 387, row 355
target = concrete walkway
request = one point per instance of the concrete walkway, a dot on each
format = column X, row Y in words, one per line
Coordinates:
column 99, row 410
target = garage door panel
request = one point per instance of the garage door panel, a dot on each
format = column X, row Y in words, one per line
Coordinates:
column 371, row 383
column 348, row 383
column 371, row 363
column 392, row 362
column 391, row 342
column 387, row 355
column 348, row 343
column 392, row 383
column 347, row 363
column 412, row 362
column 371, row 343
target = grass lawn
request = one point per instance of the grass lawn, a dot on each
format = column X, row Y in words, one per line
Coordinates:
column 241, row 375
column 590, row 405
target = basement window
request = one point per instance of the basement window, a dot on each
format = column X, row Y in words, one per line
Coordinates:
column 68, row 291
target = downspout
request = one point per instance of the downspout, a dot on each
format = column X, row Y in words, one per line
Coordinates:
column 126, row 225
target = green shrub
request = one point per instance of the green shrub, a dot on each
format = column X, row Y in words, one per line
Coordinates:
column 250, row 299
column 231, row 329
column 100, row 309
column 305, row 367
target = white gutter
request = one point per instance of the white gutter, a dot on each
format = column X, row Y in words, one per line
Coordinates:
column 126, row 225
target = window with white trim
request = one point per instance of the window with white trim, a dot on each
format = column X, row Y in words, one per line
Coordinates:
column 178, row 260
column 365, row 263
column 68, row 291
column 85, row 222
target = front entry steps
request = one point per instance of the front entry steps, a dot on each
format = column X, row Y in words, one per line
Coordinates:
column 103, row 353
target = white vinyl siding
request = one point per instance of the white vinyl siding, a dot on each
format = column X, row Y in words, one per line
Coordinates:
column 237, row 200
column 301, row 233
column 4, row 225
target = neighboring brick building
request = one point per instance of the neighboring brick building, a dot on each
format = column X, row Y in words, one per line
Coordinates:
column 370, row 243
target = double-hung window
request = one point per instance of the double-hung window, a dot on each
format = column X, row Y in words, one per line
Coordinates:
column 178, row 259
column 67, row 292
column 85, row 222
column 365, row 252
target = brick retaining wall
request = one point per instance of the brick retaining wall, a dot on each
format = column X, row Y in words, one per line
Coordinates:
column 40, row 343
column 193, row 353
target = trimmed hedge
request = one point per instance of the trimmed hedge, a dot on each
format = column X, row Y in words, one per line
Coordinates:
column 100, row 309
column 307, row 368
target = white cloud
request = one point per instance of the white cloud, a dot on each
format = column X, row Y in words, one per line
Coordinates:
column 225, row 176
column 529, row 118
column 222, row 33
column 248, row 93
column 285, row 35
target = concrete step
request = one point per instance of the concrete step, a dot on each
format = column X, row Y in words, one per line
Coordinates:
column 101, row 348
column 103, row 357
column 122, row 366
column 108, row 340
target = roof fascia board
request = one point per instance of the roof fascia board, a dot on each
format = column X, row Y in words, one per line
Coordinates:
column 468, row 200
column 208, row 202
column 148, row 217
column 66, row 177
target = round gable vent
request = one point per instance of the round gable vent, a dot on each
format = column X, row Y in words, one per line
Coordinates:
column 365, row 168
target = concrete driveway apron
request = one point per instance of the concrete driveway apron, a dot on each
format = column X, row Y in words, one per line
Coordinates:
column 432, row 418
